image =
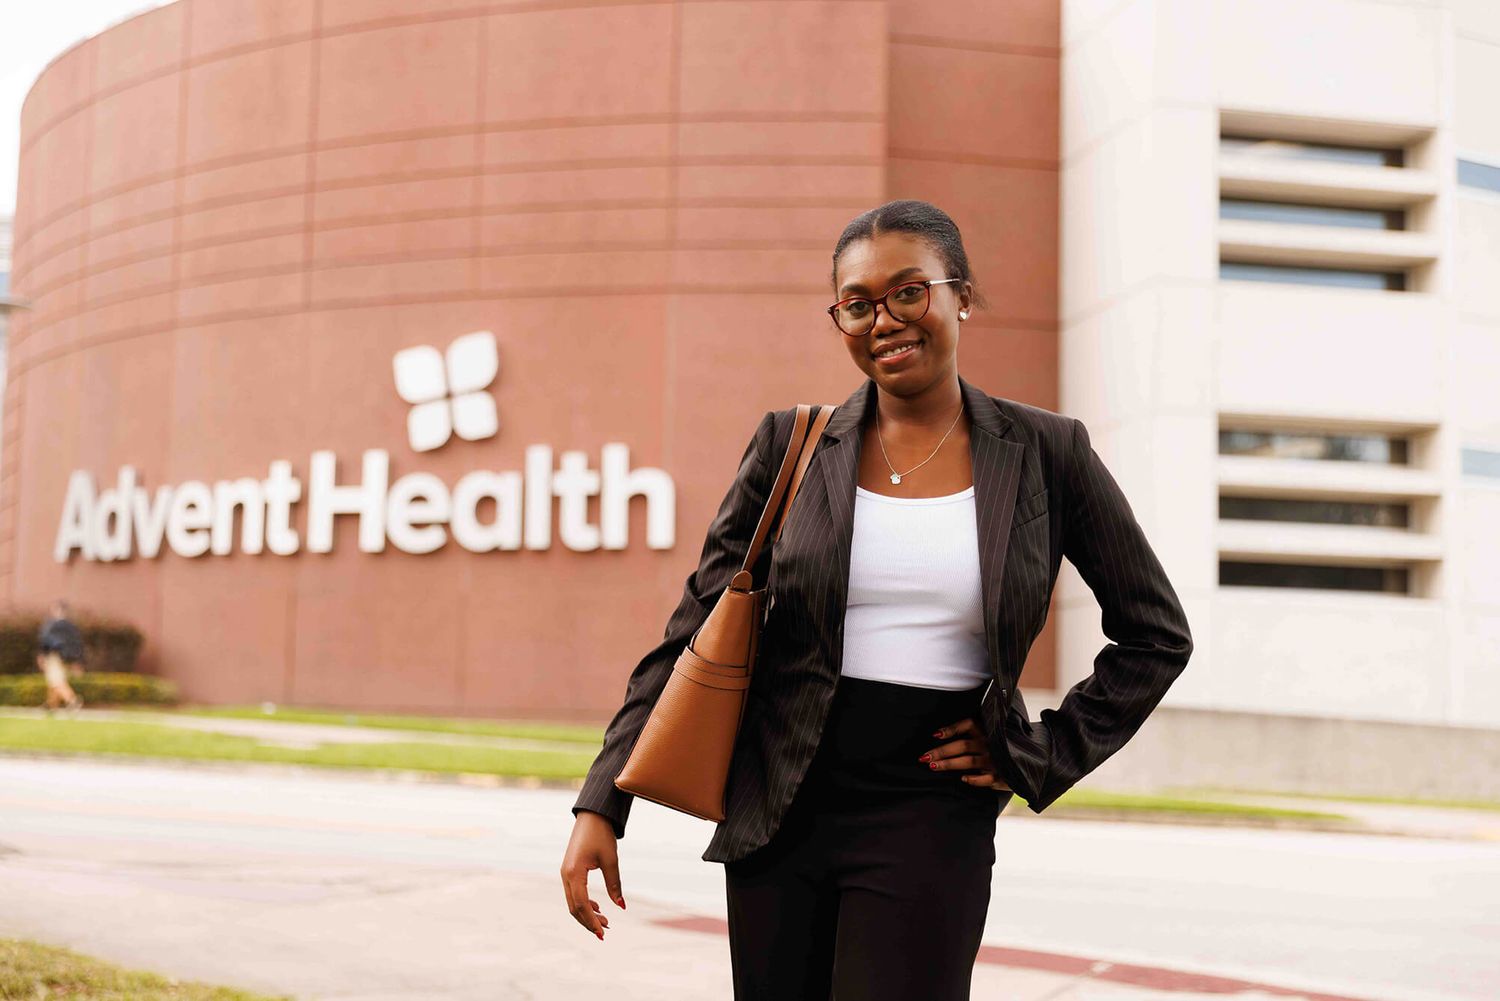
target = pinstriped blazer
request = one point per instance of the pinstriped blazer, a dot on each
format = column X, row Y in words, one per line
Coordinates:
column 1041, row 494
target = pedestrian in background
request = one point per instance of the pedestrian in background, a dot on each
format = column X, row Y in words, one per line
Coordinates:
column 60, row 653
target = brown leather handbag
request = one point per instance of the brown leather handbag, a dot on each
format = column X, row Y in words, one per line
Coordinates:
column 681, row 757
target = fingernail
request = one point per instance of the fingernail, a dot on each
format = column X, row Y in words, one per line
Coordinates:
column 938, row 734
column 932, row 764
column 925, row 757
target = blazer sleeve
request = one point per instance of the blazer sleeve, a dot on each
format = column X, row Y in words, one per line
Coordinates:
column 1140, row 614
column 724, row 549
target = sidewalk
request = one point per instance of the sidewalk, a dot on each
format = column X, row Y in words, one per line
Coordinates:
column 338, row 891
column 1396, row 819
column 504, row 936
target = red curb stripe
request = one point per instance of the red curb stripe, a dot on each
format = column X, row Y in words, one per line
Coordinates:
column 712, row 926
column 1153, row 977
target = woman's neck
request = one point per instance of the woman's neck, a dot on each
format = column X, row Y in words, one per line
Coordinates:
column 933, row 407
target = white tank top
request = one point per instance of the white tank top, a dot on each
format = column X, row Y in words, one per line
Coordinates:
column 915, row 608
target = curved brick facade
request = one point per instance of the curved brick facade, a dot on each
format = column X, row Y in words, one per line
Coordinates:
column 232, row 216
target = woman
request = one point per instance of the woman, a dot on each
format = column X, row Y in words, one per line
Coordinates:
column 883, row 735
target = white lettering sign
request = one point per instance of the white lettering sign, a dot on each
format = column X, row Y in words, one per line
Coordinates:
column 416, row 514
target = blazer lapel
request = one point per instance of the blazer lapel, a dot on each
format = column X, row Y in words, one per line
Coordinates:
column 997, row 459
column 998, row 462
column 837, row 460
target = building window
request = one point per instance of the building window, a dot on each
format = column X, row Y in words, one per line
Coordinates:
column 1270, row 177
column 1484, row 176
column 1310, row 215
column 1386, row 579
column 1394, row 281
column 1291, row 149
column 1478, row 462
column 1388, row 449
column 1317, row 512
column 1301, row 150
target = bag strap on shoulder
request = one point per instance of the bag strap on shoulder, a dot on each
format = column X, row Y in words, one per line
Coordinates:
column 811, row 444
column 788, row 478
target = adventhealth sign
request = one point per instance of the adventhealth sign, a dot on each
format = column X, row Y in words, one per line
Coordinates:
column 416, row 513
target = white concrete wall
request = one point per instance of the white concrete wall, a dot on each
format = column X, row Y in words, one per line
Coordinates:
column 1154, row 348
column 1474, row 366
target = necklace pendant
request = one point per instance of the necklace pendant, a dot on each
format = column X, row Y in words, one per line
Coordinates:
column 895, row 477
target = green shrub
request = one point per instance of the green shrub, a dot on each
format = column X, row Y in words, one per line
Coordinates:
column 109, row 645
column 95, row 689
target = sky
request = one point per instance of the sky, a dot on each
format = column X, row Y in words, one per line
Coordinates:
column 29, row 42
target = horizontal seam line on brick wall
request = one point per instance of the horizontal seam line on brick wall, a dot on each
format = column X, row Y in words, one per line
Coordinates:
column 966, row 45
column 456, row 252
column 977, row 159
column 181, row 172
column 21, row 275
column 22, row 365
column 318, row 33
column 513, row 249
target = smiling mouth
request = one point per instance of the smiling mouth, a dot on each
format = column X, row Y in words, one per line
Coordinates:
column 899, row 353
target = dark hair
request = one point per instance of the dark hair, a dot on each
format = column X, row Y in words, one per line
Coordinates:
column 923, row 219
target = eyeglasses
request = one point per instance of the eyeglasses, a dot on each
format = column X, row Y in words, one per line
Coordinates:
column 907, row 302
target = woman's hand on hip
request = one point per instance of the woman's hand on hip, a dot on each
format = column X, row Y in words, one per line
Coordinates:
column 968, row 753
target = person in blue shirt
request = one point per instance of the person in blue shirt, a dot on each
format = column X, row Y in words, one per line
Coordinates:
column 60, row 652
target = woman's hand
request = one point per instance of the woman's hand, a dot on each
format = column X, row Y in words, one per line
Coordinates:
column 968, row 752
column 592, row 846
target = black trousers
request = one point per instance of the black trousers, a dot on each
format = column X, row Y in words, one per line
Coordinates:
column 876, row 885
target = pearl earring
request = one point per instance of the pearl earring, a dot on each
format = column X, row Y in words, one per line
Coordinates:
column 964, row 315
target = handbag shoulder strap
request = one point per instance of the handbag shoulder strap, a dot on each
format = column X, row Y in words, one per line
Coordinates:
column 788, row 478
column 819, row 423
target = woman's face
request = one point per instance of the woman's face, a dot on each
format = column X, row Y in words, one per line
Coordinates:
column 871, row 267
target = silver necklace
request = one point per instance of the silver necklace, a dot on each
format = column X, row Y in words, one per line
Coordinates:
column 895, row 476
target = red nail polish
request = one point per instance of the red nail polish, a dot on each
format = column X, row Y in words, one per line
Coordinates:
column 932, row 765
column 926, row 757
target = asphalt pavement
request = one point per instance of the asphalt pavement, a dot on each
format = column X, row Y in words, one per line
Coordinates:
column 328, row 886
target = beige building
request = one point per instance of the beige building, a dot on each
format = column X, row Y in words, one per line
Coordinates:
column 1280, row 319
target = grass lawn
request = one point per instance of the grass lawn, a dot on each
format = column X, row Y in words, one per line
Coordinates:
column 1093, row 799
column 1450, row 804
column 30, row 971
column 1192, row 800
column 520, row 729
column 83, row 736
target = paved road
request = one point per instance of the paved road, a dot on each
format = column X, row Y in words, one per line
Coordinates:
column 339, row 888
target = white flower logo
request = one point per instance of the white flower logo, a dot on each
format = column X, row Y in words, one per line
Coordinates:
column 449, row 395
